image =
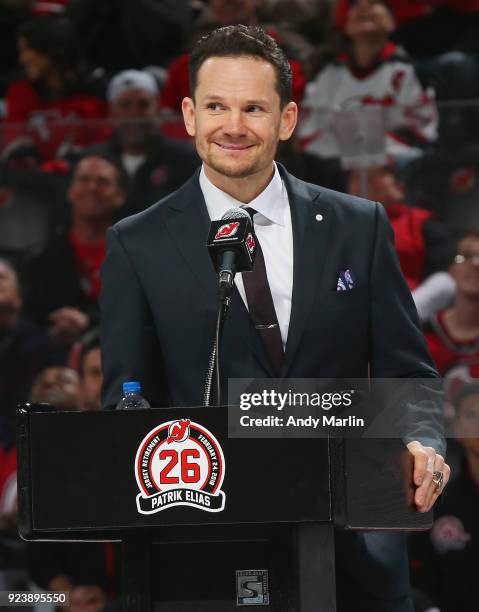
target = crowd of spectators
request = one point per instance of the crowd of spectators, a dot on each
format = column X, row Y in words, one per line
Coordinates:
column 91, row 131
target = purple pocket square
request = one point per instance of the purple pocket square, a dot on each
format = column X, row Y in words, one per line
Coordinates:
column 346, row 280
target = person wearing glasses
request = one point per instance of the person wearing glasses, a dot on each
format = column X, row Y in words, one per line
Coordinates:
column 444, row 560
column 452, row 334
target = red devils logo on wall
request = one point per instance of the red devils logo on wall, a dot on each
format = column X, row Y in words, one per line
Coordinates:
column 179, row 463
column 228, row 230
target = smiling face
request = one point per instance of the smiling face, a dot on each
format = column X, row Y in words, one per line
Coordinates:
column 236, row 118
column 95, row 192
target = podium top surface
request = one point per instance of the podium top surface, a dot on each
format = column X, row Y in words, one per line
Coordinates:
column 95, row 475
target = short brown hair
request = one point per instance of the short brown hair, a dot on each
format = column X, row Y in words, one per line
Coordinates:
column 121, row 175
column 243, row 41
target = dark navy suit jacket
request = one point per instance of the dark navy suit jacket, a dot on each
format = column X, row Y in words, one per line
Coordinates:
column 159, row 311
column 160, row 290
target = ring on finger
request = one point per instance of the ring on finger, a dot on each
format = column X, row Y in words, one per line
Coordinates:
column 438, row 480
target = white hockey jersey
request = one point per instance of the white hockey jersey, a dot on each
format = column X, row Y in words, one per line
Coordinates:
column 362, row 116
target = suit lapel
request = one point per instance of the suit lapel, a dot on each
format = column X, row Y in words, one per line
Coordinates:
column 311, row 226
column 189, row 227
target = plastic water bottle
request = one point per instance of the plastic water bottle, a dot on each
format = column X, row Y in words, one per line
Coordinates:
column 132, row 398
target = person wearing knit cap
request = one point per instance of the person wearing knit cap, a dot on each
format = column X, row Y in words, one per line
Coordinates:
column 155, row 164
column 131, row 80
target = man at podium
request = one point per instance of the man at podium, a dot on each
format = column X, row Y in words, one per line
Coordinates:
column 327, row 278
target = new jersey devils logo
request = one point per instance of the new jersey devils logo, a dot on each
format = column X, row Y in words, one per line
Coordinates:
column 227, row 230
column 178, row 431
column 250, row 243
column 179, row 463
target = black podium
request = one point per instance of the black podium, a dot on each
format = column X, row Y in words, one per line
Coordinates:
column 239, row 522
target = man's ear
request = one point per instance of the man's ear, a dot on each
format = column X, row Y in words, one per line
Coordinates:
column 289, row 118
column 188, row 109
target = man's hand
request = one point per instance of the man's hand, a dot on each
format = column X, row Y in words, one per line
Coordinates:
column 426, row 462
column 67, row 324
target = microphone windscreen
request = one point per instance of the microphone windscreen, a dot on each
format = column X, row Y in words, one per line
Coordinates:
column 236, row 213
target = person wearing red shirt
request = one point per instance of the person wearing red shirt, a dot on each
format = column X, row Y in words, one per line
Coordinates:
column 54, row 100
column 453, row 333
column 65, row 278
column 421, row 240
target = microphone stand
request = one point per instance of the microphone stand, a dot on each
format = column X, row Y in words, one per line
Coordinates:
column 224, row 300
column 236, row 256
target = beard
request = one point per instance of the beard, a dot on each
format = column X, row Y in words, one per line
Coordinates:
column 238, row 169
column 233, row 171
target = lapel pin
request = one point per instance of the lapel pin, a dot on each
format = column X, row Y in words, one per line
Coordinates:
column 319, row 217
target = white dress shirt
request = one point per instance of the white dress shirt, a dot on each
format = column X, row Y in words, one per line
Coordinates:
column 272, row 225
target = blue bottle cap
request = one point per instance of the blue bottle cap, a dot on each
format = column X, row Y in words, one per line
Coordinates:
column 132, row 386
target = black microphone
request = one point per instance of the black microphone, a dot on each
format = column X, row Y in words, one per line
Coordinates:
column 232, row 247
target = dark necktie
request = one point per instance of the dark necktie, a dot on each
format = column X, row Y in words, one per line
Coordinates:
column 261, row 306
